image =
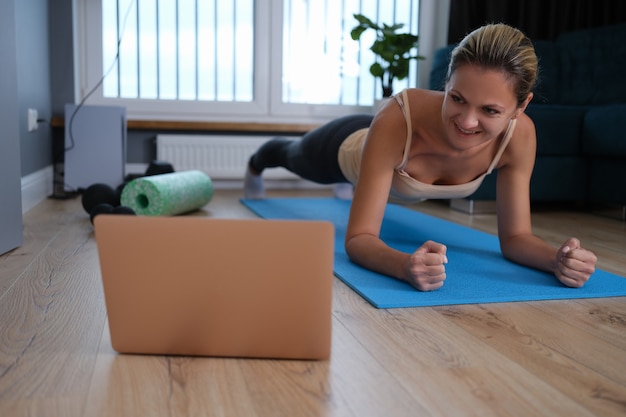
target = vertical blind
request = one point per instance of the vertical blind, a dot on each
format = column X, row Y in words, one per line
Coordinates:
column 204, row 50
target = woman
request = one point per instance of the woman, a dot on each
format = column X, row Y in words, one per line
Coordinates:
column 429, row 144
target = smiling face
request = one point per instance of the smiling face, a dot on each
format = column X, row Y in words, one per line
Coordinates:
column 478, row 106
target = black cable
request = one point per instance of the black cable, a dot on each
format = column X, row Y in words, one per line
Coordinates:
column 67, row 192
column 99, row 83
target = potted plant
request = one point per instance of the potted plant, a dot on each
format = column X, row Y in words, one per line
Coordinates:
column 394, row 51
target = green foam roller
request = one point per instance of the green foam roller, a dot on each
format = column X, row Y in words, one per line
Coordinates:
column 168, row 194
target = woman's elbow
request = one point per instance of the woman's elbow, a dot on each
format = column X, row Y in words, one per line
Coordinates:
column 507, row 248
column 350, row 247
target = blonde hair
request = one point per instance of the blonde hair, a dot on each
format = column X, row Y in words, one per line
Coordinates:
column 499, row 47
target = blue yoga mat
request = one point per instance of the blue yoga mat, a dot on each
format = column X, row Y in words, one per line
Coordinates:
column 476, row 271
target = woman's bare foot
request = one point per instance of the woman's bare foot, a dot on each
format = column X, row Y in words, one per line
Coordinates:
column 253, row 185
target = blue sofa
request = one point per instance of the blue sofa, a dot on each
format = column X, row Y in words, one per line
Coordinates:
column 579, row 110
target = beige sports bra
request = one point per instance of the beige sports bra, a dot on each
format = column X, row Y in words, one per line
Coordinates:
column 405, row 188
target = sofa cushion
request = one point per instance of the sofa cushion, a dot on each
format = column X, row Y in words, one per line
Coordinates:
column 604, row 132
column 547, row 89
column 439, row 69
column 559, row 178
column 558, row 128
column 592, row 65
column 607, row 181
column 554, row 178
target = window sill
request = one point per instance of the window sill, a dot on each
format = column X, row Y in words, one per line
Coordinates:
column 251, row 127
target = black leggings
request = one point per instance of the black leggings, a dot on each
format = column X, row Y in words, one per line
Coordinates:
column 314, row 156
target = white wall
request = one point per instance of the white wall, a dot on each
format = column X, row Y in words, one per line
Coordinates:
column 10, row 208
column 433, row 34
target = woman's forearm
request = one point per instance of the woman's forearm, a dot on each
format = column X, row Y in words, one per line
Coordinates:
column 372, row 253
column 530, row 250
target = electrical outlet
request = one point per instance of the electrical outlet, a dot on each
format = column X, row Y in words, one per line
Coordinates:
column 32, row 119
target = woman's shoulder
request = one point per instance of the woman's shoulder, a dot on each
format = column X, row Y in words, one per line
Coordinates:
column 424, row 106
column 524, row 129
column 414, row 101
column 523, row 142
column 421, row 99
column 422, row 93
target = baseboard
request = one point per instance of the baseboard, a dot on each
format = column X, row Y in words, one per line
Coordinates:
column 237, row 184
column 473, row 206
column 614, row 211
column 135, row 168
column 36, row 187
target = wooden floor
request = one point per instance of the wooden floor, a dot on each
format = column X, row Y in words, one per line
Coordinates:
column 550, row 358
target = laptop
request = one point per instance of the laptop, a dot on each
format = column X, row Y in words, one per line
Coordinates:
column 198, row 286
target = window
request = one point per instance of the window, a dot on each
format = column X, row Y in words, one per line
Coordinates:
column 179, row 49
column 239, row 59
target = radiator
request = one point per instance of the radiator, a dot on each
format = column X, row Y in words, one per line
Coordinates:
column 220, row 157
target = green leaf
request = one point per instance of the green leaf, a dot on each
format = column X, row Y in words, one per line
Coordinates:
column 392, row 28
column 357, row 32
column 366, row 22
column 394, row 50
column 377, row 70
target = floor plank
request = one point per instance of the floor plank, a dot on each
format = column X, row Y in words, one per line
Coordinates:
column 603, row 318
column 52, row 319
column 549, row 358
column 569, row 359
